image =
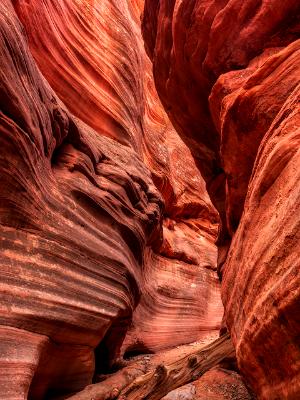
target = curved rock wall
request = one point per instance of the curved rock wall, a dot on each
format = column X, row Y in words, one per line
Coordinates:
column 90, row 53
column 77, row 211
column 88, row 158
column 107, row 231
column 227, row 73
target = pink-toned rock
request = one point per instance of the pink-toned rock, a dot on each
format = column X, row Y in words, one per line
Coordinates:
column 180, row 301
column 87, row 157
column 77, row 211
column 187, row 204
column 168, row 313
column 90, row 54
column 19, row 359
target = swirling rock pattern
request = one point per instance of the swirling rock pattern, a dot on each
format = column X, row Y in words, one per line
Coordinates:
column 88, row 158
column 93, row 61
column 169, row 160
column 227, row 73
column 180, row 300
column 76, row 212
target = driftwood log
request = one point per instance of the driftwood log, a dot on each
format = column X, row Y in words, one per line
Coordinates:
column 154, row 378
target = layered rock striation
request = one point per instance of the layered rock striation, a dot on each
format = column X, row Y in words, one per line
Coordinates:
column 107, row 231
column 77, row 211
column 112, row 198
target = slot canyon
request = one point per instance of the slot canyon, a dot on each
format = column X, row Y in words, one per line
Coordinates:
column 150, row 199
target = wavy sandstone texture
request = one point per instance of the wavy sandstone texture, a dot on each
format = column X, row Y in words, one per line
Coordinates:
column 227, row 73
column 126, row 72
column 106, row 225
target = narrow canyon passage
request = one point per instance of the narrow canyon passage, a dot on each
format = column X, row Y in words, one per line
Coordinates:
column 150, row 198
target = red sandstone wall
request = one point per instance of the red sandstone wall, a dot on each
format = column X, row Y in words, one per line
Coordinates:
column 99, row 211
column 227, row 73
column 107, row 230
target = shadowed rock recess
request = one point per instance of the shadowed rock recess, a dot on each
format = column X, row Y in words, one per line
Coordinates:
column 149, row 199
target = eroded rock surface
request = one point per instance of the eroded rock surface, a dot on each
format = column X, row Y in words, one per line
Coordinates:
column 107, row 230
column 187, row 204
column 227, row 73
column 105, row 219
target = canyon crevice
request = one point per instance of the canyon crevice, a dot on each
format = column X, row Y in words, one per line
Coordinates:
column 150, row 199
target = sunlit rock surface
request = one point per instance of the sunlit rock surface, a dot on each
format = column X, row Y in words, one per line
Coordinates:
column 227, row 73
column 106, row 226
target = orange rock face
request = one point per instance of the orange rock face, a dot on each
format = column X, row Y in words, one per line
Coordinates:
column 107, row 231
column 228, row 73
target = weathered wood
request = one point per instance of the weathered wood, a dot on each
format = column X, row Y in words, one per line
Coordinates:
column 165, row 378
column 113, row 385
column 153, row 380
